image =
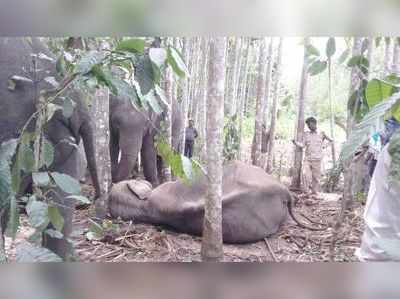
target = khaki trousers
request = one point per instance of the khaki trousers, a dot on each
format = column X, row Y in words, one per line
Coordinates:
column 312, row 176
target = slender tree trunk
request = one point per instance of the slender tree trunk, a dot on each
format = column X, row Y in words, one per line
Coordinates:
column 396, row 57
column 355, row 81
column 167, row 124
column 298, row 154
column 370, row 51
column 262, row 67
column 202, row 100
column 243, row 96
column 211, row 249
column 184, row 96
column 331, row 116
column 194, row 81
column 268, row 80
column 388, row 57
column 274, row 109
column 232, row 78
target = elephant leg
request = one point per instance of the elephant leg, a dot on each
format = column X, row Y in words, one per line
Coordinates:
column 130, row 146
column 114, row 153
column 149, row 160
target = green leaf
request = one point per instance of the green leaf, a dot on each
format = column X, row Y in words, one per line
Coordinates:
column 29, row 253
column 79, row 198
column 88, row 61
column 364, row 46
column 41, row 179
column 67, row 183
column 96, row 231
column 317, row 67
column 158, row 56
column 55, row 217
column 187, row 167
column 344, row 56
column 37, row 214
column 160, row 92
column 377, row 91
column 176, row 62
column 330, row 47
column 13, row 219
column 47, row 153
column 144, row 75
column 27, row 159
column 153, row 102
column 358, row 61
column 134, row 45
column 312, row 51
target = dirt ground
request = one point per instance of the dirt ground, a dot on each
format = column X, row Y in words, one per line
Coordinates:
column 148, row 243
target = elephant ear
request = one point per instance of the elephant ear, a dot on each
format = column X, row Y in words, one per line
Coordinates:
column 141, row 189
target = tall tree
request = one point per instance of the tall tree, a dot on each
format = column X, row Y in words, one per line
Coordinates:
column 298, row 155
column 167, row 124
column 396, row 57
column 274, row 109
column 232, row 77
column 260, row 101
column 202, row 107
column 240, row 109
column 183, row 91
column 355, row 81
column 211, row 249
column 388, row 56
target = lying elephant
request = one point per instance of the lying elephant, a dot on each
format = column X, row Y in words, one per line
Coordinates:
column 254, row 204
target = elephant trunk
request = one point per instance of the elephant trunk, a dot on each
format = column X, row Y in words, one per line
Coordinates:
column 87, row 134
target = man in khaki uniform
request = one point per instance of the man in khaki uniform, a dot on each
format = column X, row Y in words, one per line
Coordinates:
column 312, row 144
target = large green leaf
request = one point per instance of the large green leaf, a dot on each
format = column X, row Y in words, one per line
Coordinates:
column 312, row 51
column 37, row 213
column 176, row 62
column 29, row 253
column 41, row 179
column 330, row 47
column 47, row 153
column 344, row 56
column 151, row 99
column 134, row 45
column 358, row 60
column 377, row 91
column 144, row 75
column 55, row 217
column 88, row 61
column 317, row 67
column 68, row 107
column 67, row 183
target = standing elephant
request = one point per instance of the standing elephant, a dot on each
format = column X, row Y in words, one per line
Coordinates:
column 17, row 104
column 133, row 131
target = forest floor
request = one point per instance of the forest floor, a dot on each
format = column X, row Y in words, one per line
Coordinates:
column 148, row 243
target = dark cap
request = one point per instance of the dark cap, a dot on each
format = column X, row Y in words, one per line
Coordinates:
column 311, row 119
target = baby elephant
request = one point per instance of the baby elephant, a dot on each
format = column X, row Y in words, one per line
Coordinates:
column 254, row 204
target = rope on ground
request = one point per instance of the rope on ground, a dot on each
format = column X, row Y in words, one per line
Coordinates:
column 271, row 251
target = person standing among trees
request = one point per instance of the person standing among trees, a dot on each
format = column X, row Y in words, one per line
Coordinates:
column 312, row 143
column 190, row 135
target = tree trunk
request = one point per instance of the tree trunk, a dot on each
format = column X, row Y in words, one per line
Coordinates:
column 232, row 77
column 396, row 57
column 355, row 81
column 167, row 125
column 262, row 67
column 211, row 249
column 183, row 86
column 274, row 108
column 388, row 57
column 100, row 109
column 268, row 81
column 194, row 81
column 298, row 154
column 202, row 100
column 243, row 96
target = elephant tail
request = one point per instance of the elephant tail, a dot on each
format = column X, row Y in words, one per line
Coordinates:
column 299, row 223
